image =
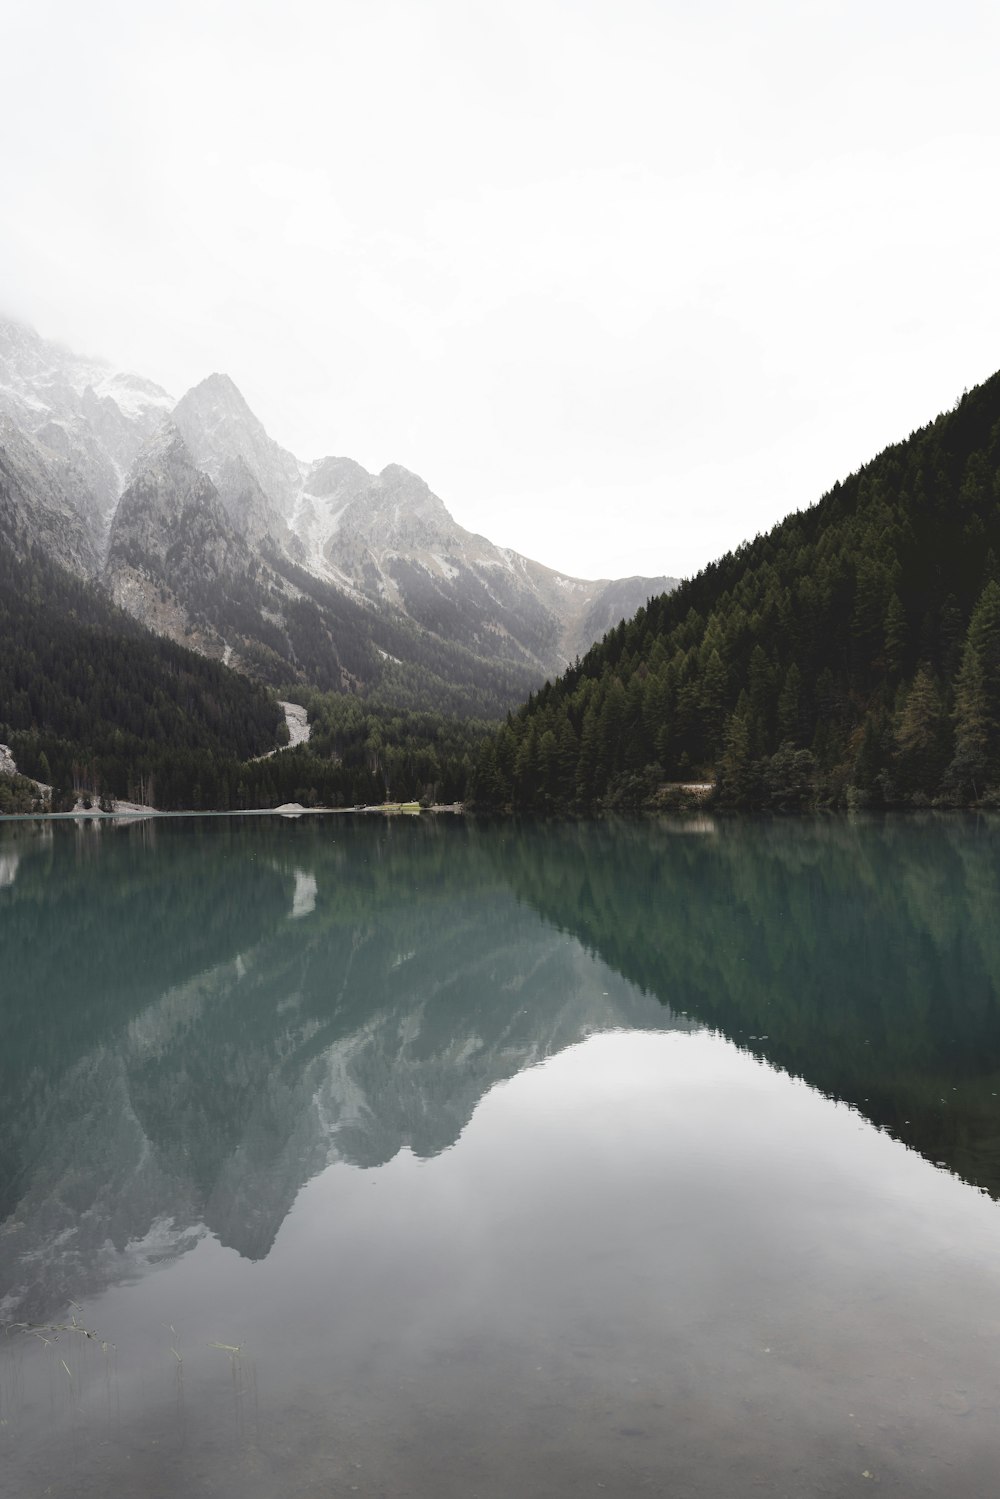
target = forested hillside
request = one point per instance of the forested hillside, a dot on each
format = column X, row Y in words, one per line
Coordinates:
column 90, row 702
column 333, row 642
column 90, row 699
column 95, row 705
column 359, row 753
column 849, row 657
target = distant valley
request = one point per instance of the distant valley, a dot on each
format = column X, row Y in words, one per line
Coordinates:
column 166, row 566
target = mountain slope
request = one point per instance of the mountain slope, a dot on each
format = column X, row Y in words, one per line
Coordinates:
column 257, row 480
column 389, row 540
column 391, row 537
column 82, row 684
column 93, row 417
column 38, row 499
column 852, row 654
column 173, row 552
column 316, row 573
column 177, row 562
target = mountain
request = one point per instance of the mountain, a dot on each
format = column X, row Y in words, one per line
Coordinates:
column 318, row 573
column 38, row 503
column 87, row 695
column 84, row 414
column 91, row 700
column 177, row 561
column 388, row 539
column 257, row 480
column 849, row 657
column 172, row 540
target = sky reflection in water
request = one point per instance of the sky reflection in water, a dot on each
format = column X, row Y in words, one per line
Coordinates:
column 373, row 1106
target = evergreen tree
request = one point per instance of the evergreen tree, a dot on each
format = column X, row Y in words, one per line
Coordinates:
column 735, row 769
column 895, row 638
column 712, row 704
column 977, row 699
column 788, row 706
column 585, row 786
column 922, row 736
column 814, row 635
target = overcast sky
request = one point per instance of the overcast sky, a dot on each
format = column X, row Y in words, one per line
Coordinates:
column 625, row 282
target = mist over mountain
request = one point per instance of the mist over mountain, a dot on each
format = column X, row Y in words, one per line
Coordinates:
column 201, row 526
column 257, row 480
column 88, row 419
column 38, row 503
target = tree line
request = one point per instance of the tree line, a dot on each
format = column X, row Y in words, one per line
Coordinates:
column 97, row 707
column 850, row 657
column 89, row 698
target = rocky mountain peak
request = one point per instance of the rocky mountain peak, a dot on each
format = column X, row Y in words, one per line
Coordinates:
column 215, row 402
column 219, row 427
column 404, row 500
column 169, row 503
column 165, row 449
column 184, row 504
column 92, row 416
column 49, row 378
column 396, row 474
column 20, row 346
column 39, row 492
column 336, row 476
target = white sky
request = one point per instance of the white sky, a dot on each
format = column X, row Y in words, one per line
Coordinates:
column 625, row 282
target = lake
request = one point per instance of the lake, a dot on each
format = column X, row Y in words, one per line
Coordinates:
column 422, row 1157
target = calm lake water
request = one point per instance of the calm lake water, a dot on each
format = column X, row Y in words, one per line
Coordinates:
column 423, row 1158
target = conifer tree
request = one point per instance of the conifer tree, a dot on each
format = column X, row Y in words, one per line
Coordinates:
column 977, row 699
column 922, row 736
column 788, row 706
column 735, row 777
column 895, row 633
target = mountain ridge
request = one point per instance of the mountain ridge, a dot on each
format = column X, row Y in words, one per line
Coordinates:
column 381, row 540
column 849, row 657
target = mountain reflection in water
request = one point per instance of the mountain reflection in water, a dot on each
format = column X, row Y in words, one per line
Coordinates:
column 862, row 955
column 210, row 1013
column 199, row 1018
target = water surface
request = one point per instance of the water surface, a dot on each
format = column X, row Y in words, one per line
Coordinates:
column 426, row 1158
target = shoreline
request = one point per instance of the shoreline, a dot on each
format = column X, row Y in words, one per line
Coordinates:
column 291, row 810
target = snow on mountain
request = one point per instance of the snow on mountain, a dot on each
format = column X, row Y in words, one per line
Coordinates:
column 388, row 538
column 83, row 411
column 108, row 484
column 397, row 542
column 261, row 480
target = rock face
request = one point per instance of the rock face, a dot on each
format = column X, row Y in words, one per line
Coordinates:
column 189, row 522
column 391, row 539
column 257, row 480
column 80, row 411
column 170, row 517
column 39, row 497
column 172, row 546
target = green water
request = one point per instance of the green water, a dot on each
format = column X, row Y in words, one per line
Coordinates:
column 639, row 1158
